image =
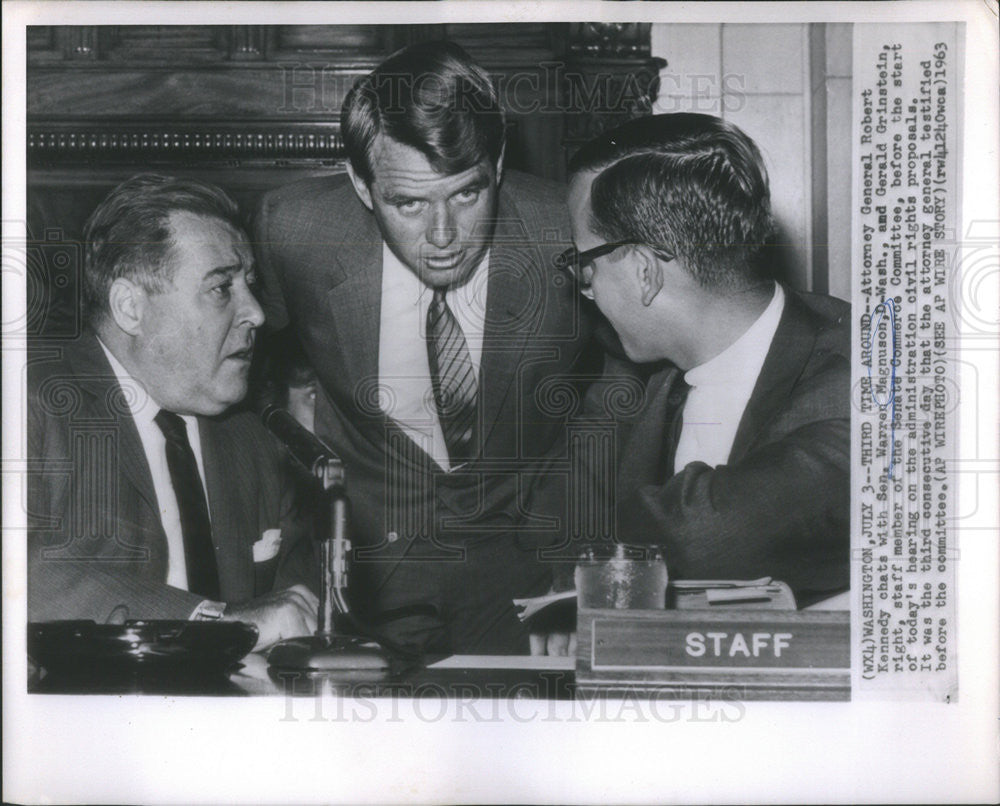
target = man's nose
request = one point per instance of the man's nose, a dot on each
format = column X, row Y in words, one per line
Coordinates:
column 441, row 231
column 251, row 313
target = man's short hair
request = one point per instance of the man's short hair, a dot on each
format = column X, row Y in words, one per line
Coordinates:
column 129, row 234
column 693, row 186
column 431, row 97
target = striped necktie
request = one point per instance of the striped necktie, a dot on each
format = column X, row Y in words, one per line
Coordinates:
column 199, row 554
column 453, row 378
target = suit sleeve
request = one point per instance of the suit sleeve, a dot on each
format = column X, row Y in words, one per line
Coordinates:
column 61, row 589
column 782, row 510
column 271, row 296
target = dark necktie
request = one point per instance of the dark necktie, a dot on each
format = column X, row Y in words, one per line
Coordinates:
column 454, row 379
column 675, row 420
column 199, row 555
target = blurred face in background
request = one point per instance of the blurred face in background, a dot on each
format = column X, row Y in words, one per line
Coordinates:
column 302, row 402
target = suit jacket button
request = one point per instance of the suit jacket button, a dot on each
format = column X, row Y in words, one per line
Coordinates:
column 392, row 537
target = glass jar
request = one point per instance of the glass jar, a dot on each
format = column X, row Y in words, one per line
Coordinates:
column 622, row 577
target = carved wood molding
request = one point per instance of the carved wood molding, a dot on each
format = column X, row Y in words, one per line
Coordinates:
column 232, row 143
column 166, row 142
column 261, row 95
column 610, row 39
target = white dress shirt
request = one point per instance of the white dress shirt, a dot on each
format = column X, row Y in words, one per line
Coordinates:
column 406, row 393
column 721, row 389
column 144, row 409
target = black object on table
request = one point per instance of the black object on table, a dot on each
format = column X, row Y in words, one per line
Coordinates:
column 152, row 656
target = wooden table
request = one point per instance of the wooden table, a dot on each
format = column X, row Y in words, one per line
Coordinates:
column 477, row 676
column 458, row 676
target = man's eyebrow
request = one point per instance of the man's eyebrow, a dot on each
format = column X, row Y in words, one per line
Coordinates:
column 224, row 271
column 400, row 198
column 477, row 182
column 393, row 196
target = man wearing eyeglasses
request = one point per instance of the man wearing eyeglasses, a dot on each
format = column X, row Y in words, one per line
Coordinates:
column 738, row 463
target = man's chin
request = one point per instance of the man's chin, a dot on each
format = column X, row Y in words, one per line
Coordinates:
column 439, row 278
column 221, row 401
column 636, row 354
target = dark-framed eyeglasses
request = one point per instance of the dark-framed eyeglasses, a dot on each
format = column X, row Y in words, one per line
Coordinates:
column 573, row 261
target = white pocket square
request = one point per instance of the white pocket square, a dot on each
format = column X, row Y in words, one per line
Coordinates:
column 268, row 545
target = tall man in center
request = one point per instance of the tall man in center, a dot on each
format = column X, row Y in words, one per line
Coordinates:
column 419, row 286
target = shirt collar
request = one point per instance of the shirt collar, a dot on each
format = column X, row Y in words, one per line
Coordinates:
column 745, row 356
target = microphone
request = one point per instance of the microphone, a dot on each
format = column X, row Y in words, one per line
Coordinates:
column 308, row 449
column 341, row 658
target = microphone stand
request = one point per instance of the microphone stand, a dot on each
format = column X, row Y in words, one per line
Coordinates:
column 333, row 550
column 338, row 658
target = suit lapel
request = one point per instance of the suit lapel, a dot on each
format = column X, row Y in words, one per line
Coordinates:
column 790, row 350
column 511, row 311
column 105, row 400
column 641, row 454
column 354, row 298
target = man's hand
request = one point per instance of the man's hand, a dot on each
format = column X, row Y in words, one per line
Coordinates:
column 284, row 614
column 553, row 643
column 553, row 629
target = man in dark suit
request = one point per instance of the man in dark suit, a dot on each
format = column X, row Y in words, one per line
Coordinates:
column 149, row 498
column 737, row 462
column 419, row 287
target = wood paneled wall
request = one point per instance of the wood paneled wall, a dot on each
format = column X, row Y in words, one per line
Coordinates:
column 788, row 86
column 191, row 94
column 251, row 107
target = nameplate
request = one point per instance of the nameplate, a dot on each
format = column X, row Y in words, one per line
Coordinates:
column 765, row 651
column 706, row 640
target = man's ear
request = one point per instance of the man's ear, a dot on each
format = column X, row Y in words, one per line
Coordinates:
column 127, row 303
column 360, row 186
column 649, row 273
